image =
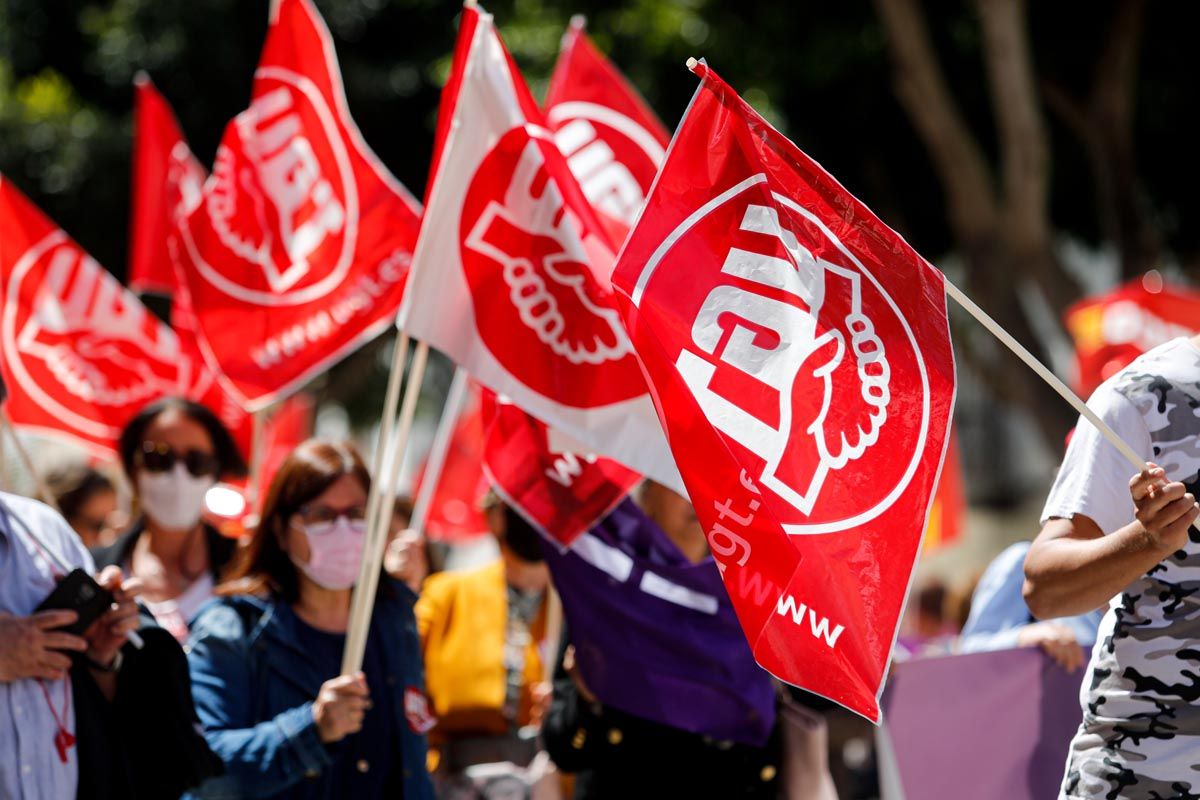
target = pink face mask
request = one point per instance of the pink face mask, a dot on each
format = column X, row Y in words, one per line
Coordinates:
column 335, row 552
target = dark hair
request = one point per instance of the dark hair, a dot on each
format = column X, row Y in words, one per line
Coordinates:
column 75, row 485
column 225, row 450
column 262, row 566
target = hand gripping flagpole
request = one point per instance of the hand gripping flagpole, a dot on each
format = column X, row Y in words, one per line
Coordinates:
column 436, row 461
column 362, row 602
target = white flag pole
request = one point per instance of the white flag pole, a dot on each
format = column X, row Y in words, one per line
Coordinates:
column 1045, row 374
column 436, row 460
column 387, row 424
column 362, row 602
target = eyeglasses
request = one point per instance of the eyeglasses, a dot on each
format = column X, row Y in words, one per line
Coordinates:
column 159, row 457
column 316, row 515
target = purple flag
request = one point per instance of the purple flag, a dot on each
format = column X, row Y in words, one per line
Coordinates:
column 990, row 726
column 655, row 635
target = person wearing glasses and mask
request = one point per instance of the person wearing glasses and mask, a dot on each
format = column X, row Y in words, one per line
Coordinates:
column 265, row 656
column 173, row 452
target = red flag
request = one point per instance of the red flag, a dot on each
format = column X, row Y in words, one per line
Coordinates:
column 80, row 353
column 800, row 357
column 299, row 250
column 563, row 493
column 167, row 182
column 205, row 388
column 613, row 141
column 454, row 513
column 1112, row 330
column 510, row 275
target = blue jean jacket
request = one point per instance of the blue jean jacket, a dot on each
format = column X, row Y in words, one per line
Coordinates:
column 254, row 690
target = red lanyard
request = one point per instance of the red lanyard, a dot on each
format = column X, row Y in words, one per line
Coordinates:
column 64, row 740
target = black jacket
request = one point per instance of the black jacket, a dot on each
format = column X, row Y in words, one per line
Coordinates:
column 220, row 549
column 619, row 755
column 145, row 744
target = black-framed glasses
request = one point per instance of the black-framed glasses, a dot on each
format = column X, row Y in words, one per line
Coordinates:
column 159, row 457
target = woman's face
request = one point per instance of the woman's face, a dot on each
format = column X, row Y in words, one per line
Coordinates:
column 345, row 497
column 94, row 520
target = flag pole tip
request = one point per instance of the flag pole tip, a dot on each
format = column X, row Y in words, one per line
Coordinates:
column 692, row 64
column 471, row 4
column 141, row 78
column 578, row 21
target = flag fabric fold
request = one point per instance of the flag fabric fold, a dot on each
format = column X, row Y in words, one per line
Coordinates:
column 613, row 142
column 167, row 182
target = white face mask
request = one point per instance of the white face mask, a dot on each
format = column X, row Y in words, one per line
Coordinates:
column 173, row 499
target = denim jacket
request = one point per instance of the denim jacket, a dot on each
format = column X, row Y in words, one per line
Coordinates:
column 254, row 689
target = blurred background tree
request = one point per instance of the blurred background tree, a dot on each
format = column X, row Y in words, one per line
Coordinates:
column 1036, row 153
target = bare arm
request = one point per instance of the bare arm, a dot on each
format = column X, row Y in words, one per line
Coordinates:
column 1073, row 567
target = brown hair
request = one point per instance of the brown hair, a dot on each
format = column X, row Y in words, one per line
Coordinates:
column 262, row 565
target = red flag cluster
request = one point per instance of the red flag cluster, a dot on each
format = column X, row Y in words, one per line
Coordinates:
column 763, row 343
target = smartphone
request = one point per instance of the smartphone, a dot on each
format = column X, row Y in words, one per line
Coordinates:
column 80, row 593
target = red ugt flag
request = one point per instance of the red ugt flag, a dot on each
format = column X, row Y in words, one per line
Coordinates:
column 613, row 142
column 299, row 250
column 167, row 182
column 561, row 492
column 80, row 353
column 510, row 278
column 800, row 358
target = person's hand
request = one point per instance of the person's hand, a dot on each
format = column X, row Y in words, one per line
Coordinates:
column 340, row 706
column 31, row 648
column 540, row 695
column 108, row 633
column 571, row 666
column 1056, row 640
column 405, row 559
column 1165, row 510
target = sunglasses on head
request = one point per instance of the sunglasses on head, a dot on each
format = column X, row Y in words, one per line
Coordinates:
column 158, row 457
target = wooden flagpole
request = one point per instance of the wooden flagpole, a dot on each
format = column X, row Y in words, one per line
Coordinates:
column 387, row 424
column 362, row 602
column 1045, row 374
column 436, row 460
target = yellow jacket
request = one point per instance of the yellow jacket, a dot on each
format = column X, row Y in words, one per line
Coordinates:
column 462, row 618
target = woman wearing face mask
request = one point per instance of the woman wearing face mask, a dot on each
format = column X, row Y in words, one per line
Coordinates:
column 265, row 657
column 173, row 452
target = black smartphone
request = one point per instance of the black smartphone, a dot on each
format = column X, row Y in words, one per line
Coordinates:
column 80, row 593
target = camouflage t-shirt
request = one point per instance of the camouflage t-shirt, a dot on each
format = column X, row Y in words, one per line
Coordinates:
column 1140, row 736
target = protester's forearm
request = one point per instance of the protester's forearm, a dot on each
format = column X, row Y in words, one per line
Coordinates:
column 1068, row 576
